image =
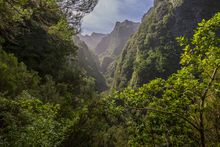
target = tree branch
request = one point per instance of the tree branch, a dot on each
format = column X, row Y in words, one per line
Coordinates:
column 170, row 113
column 7, row 1
column 212, row 78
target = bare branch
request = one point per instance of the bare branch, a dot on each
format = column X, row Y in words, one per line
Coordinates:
column 75, row 10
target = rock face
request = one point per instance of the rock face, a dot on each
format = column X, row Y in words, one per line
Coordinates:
column 105, row 63
column 153, row 52
column 110, row 47
column 92, row 40
column 87, row 60
column 113, row 43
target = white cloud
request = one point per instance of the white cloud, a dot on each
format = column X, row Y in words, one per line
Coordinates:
column 107, row 12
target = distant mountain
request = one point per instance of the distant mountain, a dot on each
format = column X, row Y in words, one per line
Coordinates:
column 89, row 62
column 110, row 47
column 113, row 43
column 153, row 52
column 92, row 40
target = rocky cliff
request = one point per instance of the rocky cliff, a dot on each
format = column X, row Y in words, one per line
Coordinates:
column 113, row 43
column 110, row 47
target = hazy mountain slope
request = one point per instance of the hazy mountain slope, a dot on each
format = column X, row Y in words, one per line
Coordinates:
column 87, row 60
column 111, row 45
column 153, row 52
column 92, row 40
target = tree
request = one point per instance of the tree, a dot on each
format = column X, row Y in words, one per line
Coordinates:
column 177, row 111
column 40, row 33
column 203, row 56
column 75, row 10
column 26, row 121
column 41, row 85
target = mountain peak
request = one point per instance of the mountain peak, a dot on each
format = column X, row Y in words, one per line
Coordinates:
column 125, row 23
column 97, row 34
column 92, row 40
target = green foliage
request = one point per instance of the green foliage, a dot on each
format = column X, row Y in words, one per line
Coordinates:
column 153, row 51
column 180, row 111
column 43, row 40
column 204, row 50
column 58, row 106
column 26, row 121
column 14, row 76
column 36, row 111
column 43, row 90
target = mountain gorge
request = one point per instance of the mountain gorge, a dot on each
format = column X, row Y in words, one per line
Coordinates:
column 134, row 54
column 108, row 47
column 149, row 84
column 89, row 62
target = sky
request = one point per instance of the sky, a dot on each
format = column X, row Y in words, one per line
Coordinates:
column 107, row 12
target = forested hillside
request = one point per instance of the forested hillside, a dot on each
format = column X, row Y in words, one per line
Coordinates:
column 166, row 81
column 42, row 87
column 108, row 47
column 180, row 111
column 90, row 63
column 153, row 52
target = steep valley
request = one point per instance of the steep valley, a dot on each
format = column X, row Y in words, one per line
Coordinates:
column 89, row 62
column 131, row 55
column 109, row 47
column 128, row 84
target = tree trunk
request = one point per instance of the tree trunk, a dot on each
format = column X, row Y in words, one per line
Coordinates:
column 202, row 106
column 202, row 133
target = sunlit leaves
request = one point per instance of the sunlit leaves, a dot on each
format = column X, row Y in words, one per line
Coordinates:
column 28, row 121
column 61, row 30
column 169, row 111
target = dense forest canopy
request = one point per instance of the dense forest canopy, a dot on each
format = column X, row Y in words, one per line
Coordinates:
column 53, row 93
